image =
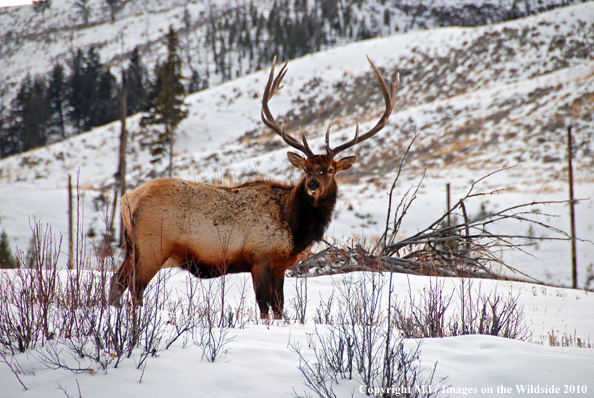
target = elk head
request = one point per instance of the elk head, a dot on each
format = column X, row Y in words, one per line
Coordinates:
column 320, row 170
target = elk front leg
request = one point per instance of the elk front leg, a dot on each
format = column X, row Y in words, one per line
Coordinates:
column 277, row 292
column 261, row 276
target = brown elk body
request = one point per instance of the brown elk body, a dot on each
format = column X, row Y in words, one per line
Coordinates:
column 259, row 227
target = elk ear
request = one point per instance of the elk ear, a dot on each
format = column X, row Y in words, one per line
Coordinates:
column 296, row 160
column 345, row 163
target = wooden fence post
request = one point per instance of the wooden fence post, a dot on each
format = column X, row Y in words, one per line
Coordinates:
column 571, row 210
column 123, row 146
column 448, row 203
column 70, row 226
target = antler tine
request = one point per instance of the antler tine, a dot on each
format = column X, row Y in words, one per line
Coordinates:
column 272, row 87
column 304, row 140
column 331, row 152
column 390, row 100
column 266, row 115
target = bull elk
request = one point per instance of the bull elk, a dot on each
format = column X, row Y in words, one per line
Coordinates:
column 259, row 227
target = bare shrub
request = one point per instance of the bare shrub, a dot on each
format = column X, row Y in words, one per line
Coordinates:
column 566, row 340
column 493, row 314
column 324, row 310
column 28, row 294
column 14, row 367
column 98, row 336
column 241, row 317
column 184, row 313
column 213, row 333
column 62, row 316
column 150, row 322
column 429, row 315
column 360, row 345
column 425, row 316
column 299, row 302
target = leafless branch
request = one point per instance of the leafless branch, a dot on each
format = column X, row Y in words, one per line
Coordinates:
column 15, row 370
column 385, row 236
column 470, row 247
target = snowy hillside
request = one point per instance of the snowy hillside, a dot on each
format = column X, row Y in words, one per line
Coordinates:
column 62, row 29
column 66, row 26
column 479, row 98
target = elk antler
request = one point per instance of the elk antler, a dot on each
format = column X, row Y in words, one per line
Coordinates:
column 389, row 97
column 272, row 87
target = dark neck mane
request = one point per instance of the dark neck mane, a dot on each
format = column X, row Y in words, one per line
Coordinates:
column 308, row 220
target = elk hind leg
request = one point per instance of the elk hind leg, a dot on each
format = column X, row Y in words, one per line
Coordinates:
column 136, row 271
column 122, row 278
column 261, row 276
column 148, row 264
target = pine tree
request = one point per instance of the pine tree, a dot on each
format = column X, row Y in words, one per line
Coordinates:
column 105, row 106
column 7, row 141
column 136, row 84
column 168, row 109
column 40, row 6
column 195, row 84
column 154, row 89
column 77, row 101
column 92, row 93
column 6, row 258
column 32, row 257
column 114, row 6
column 83, row 9
column 30, row 115
column 57, row 101
column 90, row 89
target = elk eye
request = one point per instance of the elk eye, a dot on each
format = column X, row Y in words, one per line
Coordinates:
column 330, row 171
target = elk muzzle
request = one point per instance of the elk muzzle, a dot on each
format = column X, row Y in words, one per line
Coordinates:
column 313, row 185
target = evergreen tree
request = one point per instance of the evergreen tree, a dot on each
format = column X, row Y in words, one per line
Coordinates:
column 6, row 139
column 92, row 93
column 114, row 6
column 154, row 89
column 57, row 101
column 40, row 6
column 77, row 101
column 136, row 84
column 90, row 88
column 83, row 9
column 32, row 258
column 195, row 84
column 30, row 115
column 330, row 14
column 275, row 32
column 105, row 107
column 168, row 109
column 364, row 33
column 6, row 258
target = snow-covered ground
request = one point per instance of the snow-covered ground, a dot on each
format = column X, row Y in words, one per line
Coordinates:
column 258, row 362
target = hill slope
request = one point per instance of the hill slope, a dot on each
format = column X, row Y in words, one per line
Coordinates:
column 480, row 98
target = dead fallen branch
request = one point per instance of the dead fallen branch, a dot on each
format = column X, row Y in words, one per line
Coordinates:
column 454, row 245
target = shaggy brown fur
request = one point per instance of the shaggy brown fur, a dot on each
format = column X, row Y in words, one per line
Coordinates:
column 259, row 227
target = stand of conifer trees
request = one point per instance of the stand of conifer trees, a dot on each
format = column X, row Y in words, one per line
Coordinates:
column 237, row 40
column 69, row 100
